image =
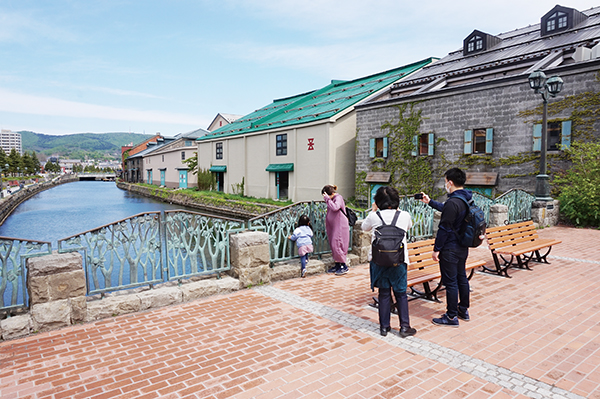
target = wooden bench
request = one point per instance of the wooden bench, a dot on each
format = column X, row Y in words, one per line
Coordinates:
column 517, row 241
column 423, row 270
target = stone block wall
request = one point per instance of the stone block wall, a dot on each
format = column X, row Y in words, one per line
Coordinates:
column 448, row 114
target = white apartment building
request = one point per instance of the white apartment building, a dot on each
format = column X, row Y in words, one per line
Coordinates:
column 10, row 140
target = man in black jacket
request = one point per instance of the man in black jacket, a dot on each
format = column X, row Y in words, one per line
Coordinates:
column 447, row 250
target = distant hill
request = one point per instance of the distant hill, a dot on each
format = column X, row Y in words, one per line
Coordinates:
column 80, row 145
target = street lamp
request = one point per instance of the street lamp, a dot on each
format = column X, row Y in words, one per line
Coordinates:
column 545, row 87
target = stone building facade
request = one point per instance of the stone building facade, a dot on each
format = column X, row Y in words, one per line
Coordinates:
column 488, row 94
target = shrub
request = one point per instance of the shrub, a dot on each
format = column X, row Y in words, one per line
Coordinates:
column 579, row 185
column 206, row 180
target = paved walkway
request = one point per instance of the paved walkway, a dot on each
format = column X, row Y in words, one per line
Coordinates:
column 534, row 335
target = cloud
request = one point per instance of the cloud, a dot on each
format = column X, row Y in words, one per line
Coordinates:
column 36, row 105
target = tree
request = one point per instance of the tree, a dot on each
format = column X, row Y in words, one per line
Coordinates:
column 15, row 162
column 35, row 163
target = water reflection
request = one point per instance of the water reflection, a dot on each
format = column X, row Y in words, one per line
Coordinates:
column 73, row 208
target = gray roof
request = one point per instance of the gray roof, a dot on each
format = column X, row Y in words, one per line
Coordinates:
column 519, row 50
column 152, row 147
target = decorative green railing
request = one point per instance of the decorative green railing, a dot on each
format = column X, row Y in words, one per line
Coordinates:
column 483, row 202
column 124, row 254
column 280, row 224
column 519, row 204
column 14, row 252
column 197, row 244
column 422, row 218
column 131, row 252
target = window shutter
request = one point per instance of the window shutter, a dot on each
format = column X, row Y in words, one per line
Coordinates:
column 537, row 137
column 430, row 144
column 566, row 135
column 372, row 148
column 415, row 146
column 468, row 142
column 385, row 147
column 489, row 140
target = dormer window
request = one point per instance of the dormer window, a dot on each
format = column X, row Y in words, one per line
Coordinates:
column 475, row 44
column 560, row 19
column 479, row 41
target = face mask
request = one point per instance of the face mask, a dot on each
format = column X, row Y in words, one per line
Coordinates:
column 447, row 188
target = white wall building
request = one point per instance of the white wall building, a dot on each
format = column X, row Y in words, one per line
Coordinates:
column 10, row 140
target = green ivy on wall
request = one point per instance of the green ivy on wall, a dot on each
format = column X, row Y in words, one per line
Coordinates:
column 409, row 174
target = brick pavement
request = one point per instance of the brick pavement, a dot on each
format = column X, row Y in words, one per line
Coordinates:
column 534, row 335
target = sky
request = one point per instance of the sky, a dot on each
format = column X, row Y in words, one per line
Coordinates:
column 78, row 66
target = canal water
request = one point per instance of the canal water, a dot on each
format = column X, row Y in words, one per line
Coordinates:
column 73, row 208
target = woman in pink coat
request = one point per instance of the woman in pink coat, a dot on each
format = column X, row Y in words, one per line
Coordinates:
column 338, row 231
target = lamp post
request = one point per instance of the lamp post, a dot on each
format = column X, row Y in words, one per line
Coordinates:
column 546, row 87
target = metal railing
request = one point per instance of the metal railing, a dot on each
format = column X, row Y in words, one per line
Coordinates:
column 149, row 248
column 197, row 244
column 519, row 204
column 280, row 224
column 14, row 252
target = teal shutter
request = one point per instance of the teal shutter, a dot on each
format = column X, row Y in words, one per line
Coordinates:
column 415, row 146
column 385, row 147
column 372, row 148
column 489, row 140
column 566, row 135
column 537, row 137
column 430, row 144
column 468, row 142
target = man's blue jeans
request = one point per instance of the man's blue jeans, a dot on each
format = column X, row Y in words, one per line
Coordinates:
column 454, row 278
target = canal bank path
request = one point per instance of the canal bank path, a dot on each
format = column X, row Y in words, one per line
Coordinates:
column 534, row 335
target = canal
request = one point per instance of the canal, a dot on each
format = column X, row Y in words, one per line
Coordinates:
column 73, row 208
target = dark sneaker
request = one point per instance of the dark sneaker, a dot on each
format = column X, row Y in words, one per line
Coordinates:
column 464, row 315
column 445, row 321
column 303, row 273
column 407, row 332
column 334, row 268
column 342, row 270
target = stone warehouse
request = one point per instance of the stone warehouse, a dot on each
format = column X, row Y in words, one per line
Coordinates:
column 475, row 109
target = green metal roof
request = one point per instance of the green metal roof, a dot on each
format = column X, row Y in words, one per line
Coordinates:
column 315, row 105
column 280, row 167
column 218, row 168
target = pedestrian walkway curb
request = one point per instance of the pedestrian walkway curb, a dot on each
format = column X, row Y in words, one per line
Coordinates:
column 498, row 375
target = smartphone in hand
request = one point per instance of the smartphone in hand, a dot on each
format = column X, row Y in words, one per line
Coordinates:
column 418, row 196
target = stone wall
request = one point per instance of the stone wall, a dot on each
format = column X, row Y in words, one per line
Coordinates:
column 449, row 113
column 234, row 209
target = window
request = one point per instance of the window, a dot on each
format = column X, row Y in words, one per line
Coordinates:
column 219, row 151
column 479, row 141
column 475, row 44
column 423, row 144
column 183, row 155
column 281, row 144
column 378, row 147
column 163, row 158
column 556, row 21
column 559, row 136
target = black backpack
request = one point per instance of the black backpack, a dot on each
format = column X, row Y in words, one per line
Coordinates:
column 473, row 231
column 388, row 247
column 350, row 215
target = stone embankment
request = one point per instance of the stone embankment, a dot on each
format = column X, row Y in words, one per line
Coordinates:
column 8, row 204
column 215, row 206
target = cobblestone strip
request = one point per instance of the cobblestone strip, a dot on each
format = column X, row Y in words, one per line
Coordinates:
column 574, row 259
column 498, row 375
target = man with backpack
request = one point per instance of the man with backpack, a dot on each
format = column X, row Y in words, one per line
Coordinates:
column 389, row 257
column 448, row 249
